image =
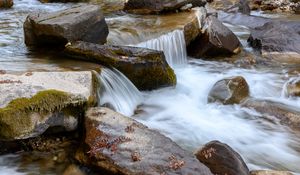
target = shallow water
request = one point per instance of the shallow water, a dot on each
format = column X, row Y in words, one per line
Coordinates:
column 180, row 112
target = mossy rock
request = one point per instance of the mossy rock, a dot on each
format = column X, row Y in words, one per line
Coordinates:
column 23, row 117
column 146, row 68
column 35, row 102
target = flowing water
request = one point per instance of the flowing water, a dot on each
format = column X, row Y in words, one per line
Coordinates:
column 182, row 112
column 118, row 92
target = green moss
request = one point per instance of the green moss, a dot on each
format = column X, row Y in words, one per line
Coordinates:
column 16, row 120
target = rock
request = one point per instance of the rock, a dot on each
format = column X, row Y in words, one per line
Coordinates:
column 33, row 102
column 73, row 170
column 231, row 90
column 216, row 40
column 6, row 3
column 134, row 29
column 242, row 7
column 278, row 40
column 64, row 1
column 85, row 23
column 278, row 112
column 120, row 145
column 158, row 6
column 293, row 88
column 270, row 172
column 147, row 69
column 222, row 159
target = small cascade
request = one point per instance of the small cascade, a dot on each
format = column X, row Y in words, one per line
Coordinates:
column 172, row 44
column 118, row 92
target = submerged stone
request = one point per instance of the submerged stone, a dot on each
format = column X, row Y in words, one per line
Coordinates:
column 286, row 115
column 84, row 23
column 147, row 69
column 120, row 145
column 34, row 102
column 270, row 172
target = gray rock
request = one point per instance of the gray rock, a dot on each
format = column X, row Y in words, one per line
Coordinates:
column 216, row 40
column 33, row 102
column 278, row 40
column 146, row 68
column 121, row 145
column 222, row 159
column 229, row 91
column 84, row 23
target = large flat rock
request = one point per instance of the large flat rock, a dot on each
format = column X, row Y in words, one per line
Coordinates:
column 31, row 103
column 85, row 22
column 121, row 145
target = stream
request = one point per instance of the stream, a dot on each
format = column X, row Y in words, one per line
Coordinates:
column 182, row 112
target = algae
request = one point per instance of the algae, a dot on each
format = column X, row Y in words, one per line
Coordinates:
column 15, row 118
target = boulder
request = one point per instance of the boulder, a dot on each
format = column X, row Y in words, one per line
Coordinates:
column 120, row 145
column 33, row 102
column 231, row 90
column 286, row 115
column 278, row 40
column 270, row 172
column 147, row 69
column 293, row 88
column 85, row 23
column 6, row 3
column 158, row 6
column 222, row 159
column 216, row 39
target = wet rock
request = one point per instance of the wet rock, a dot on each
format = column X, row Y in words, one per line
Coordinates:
column 33, row 102
column 278, row 40
column 216, row 40
column 229, row 91
column 278, row 112
column 134, row 29
column 146, row 68
column 84, row 23
column 6, row 3
column 120, row 145
column 279, row 5
column 270, row 172
column 222, row 159
column 293, row 88
column 158, row 6
column 73, row 170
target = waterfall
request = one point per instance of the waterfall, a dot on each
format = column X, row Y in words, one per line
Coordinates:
column 172, row 44
column 118, row 92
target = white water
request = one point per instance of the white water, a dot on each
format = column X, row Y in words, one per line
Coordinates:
column 118, row 92
column 182, row 113
column 173, row 46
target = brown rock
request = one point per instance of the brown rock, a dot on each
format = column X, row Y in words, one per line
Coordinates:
column 229, row 91
column 73, row 170
column 6, row 3
column 222, row 159
column 293, row 88
column 116, row 149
